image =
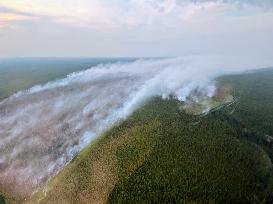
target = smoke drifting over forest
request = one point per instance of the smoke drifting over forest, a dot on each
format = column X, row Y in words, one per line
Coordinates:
column 43, row 128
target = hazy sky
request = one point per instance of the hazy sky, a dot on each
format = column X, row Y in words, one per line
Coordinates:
column 135, row 27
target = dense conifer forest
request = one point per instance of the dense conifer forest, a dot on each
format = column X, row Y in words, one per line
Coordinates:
column 163, row 154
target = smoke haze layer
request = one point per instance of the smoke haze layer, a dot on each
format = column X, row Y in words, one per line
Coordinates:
column 43, row 128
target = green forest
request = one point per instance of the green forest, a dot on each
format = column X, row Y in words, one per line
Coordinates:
column 161, row 154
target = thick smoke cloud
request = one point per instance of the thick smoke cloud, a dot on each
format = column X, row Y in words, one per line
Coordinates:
column 43, row 128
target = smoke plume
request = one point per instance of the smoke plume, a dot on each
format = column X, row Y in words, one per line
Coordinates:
column 43, row 128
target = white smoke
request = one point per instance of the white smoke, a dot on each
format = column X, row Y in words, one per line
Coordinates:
column 43, row 128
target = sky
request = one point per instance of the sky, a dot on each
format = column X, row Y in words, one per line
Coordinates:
column 135, row 28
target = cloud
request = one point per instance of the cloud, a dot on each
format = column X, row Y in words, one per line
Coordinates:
column 135, row 27
column 72, row 13
column 105, row 15
column 8, row 17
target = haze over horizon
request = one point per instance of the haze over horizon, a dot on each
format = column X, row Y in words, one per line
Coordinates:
column 136, row 28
